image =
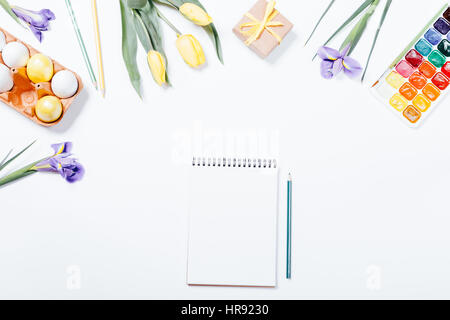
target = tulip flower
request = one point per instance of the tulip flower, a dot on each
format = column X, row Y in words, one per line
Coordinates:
column 37, row 21
column 60, row 162
column 157, row 66
column 191, row 50
column 196, row 14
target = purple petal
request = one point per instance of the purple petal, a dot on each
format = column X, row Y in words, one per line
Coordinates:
column 62, row 148
column 69, row 168
column 327, row 53
column 38, row 21
column 35, row 18
column 337, row 67
column 48, row 14
column 352, row 68
column 37, row 33
column 73, row 173
column 345, row 51
column 325, row 69
column 45, row 166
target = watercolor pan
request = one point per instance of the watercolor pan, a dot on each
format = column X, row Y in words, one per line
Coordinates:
column 419, row 78
column 25, row 94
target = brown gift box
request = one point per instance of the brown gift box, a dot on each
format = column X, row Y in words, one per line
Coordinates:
column 266, row 43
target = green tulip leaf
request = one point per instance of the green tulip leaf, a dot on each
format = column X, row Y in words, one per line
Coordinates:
column 171, row 3
column 136, row 4
column 129, row 46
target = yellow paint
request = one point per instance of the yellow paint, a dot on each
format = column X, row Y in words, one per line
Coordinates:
column 398, row 102
column 421, row 103
column 395, row 80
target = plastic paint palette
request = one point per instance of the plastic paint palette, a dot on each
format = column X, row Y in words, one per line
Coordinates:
column 25, row 94
column 420, row 77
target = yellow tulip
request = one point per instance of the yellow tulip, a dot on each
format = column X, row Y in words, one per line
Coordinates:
column 157, row 66
column 191, row 50
column 196, row 14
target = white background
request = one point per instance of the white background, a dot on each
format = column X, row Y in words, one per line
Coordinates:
column 371, row 196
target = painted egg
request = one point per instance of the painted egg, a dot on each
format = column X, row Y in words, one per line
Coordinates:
column 64, row 84
column 48, row 109
column 40, row 68
column 2, row 41
column 15, row 54
column 6, row 79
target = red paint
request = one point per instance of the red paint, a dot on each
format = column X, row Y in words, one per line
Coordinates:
column 414, row 58
column 440, row 81
column 446, row 69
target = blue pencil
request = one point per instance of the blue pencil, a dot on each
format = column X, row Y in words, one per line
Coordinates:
column 289, row 227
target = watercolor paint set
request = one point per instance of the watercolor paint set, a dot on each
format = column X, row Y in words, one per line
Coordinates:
column 419, row 78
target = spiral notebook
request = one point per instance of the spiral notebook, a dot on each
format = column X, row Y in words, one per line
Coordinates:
column 233, row 222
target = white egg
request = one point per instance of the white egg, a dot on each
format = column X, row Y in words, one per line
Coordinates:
column 64, row 84
column 2, row 41
column 15, row 54
column 6, row 79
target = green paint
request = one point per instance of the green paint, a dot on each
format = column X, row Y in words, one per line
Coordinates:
column 437, row 59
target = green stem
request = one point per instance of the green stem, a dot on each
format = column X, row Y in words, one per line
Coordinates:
column 383, row 17
column 173, row 4
column 15, row 176
column 320, row 20
column 21, row 173
column 358, row 30
column 163, row 18
column 355, row 14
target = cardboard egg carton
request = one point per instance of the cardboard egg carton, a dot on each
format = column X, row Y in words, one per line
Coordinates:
column 25, row 94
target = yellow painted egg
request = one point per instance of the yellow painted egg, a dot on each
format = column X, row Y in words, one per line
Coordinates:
column 48, row 109
column 40, row 68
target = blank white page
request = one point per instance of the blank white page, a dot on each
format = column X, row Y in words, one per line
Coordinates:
column 233, row 226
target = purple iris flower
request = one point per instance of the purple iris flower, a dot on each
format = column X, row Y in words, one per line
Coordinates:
column 333, row 62
column 38, row 21
column 62, row 163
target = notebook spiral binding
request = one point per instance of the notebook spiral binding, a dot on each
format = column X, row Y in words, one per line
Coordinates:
column 234, row 162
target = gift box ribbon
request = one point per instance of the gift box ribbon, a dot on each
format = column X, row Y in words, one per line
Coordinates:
column 258, row 26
